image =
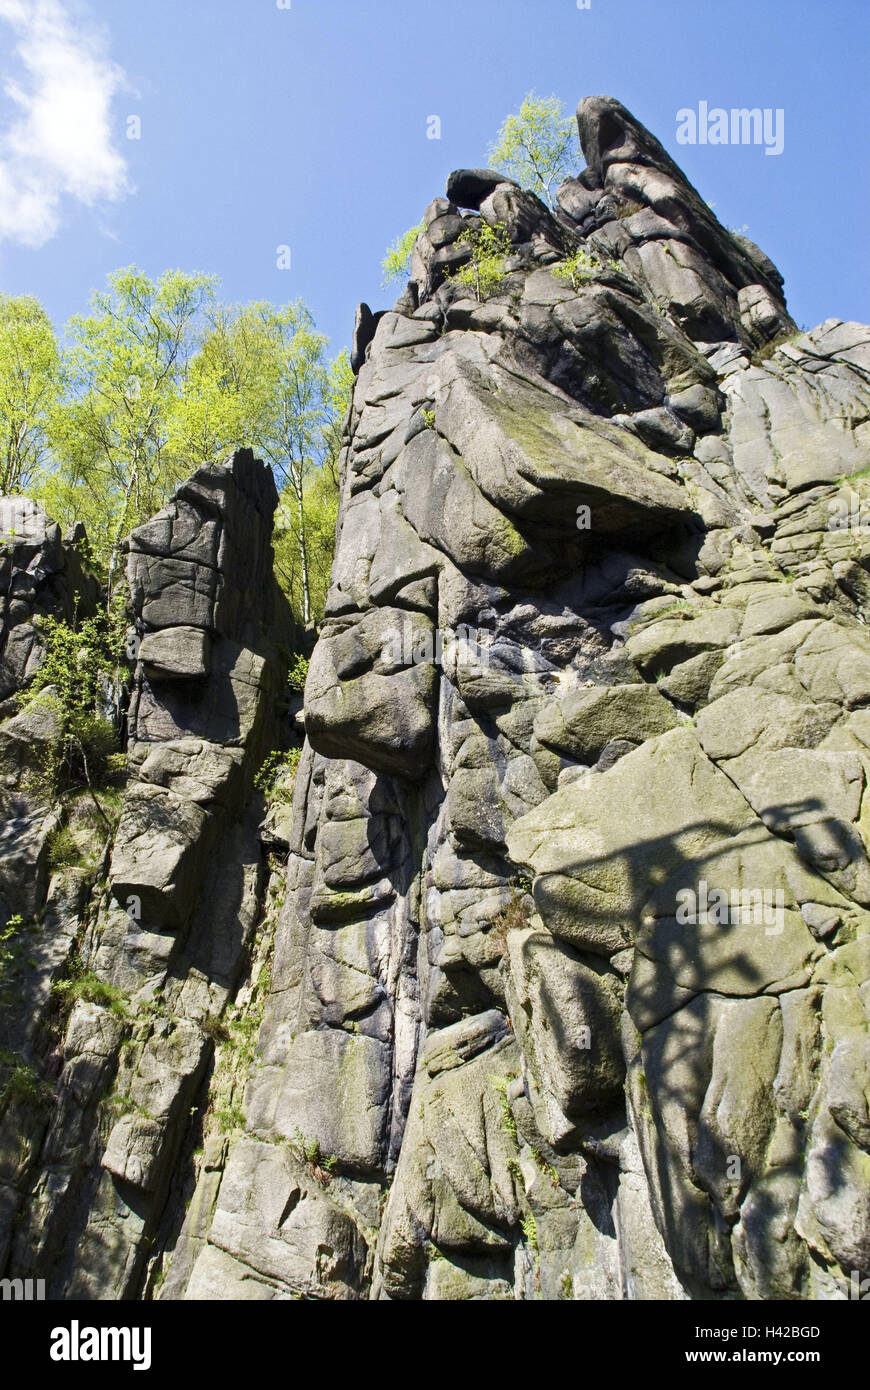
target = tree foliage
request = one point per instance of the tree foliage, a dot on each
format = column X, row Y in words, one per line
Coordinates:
column 538, row 146
column 225, row 386
column 262, row 377
column 298, row 432
column 157, row 379
column 396, row 264
column 29, row 386
column 125, row 365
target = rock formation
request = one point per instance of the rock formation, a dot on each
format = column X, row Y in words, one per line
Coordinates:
column 569, row 989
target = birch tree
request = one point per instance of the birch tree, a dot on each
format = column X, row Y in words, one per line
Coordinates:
column 125, row 367
column 29, row 384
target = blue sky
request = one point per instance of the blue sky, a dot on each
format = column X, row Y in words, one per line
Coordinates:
column 306, row 126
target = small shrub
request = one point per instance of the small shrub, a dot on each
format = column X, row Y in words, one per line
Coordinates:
column 582, row 266
column 308, row 1148
column 62, row 849
column 486, row 269
column 277, row 776
column 71, row 680
column 244, row 1033
column 577, row 268
column 298, row 672
column 396, row 264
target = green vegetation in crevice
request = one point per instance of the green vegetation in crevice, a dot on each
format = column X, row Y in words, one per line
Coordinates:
column 529, row 1227
column 528, row 1221
column 680, row 605
column 487, row 268
column 644, row 1095
column 298, row 672
column 276, row 777
column 546, row 1168
column 80, row 838
column 514, row 916
column 508, row 1122
column 230, row 1117
column 627, row 208
column 21, row 1084
column 234, row 1033
column 13, row 945
column 321, row 1166
column 81, row 670
column 63, row 850
column 582, row 266
column 122, row 1104
column 766, row 351
column 86, row 986
column 853, row 477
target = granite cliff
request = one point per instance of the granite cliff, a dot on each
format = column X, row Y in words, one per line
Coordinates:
column 554, row 982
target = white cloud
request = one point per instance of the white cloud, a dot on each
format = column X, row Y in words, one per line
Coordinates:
column 59, row 143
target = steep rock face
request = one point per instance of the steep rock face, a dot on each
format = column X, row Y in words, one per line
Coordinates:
column 595, row 654
column 571, row 971
column 42, row 576
column 154, row 940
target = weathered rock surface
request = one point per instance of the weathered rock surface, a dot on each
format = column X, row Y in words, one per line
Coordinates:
column 570, row 982
column 42, row 574
column 154, row 939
